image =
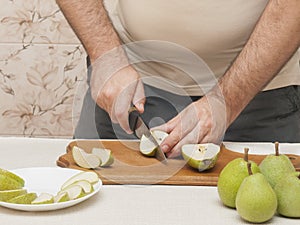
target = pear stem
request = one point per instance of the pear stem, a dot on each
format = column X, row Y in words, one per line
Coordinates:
column 277, row 148
column 249, row 168
column 246, row 158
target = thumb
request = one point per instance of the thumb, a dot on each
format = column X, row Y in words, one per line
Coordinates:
column 139, row 98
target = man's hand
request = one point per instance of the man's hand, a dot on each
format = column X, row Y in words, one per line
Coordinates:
column 201, row 122
column 117, row 92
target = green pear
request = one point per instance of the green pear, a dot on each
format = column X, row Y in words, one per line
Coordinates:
column 105, row 155
column 84, row 159
column 43, row 198
column 87, row 186
column 288, row 195
column 256, row 200
column 23, row 199
column 231, row 177
column 89, row 176
column 9, row 194
column 12, row 176
column 274, row 166
column 201, row 156
column 147, row 147
column 8, row 183
column 74, row 192
column 61, row 197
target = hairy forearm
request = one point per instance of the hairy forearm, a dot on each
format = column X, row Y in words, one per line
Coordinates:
column 90, row 22
column 274, row 40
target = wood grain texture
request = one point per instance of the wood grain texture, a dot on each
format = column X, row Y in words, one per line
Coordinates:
column 131, row 167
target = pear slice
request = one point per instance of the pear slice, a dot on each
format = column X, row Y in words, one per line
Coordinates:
column 12, row 176
column 74, row 192
column 201, row 156
column 44, row 198
column 23, row 199
column 89, row 176
column 8, row 183
column 7, row 195
column 61, row 197
column 87, row 186
column 105, row 156
column 147, row 147
column 84, row 159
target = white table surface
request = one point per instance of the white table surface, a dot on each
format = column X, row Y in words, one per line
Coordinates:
column 125, row 204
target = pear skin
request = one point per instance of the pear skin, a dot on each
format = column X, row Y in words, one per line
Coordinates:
column 273, row 167
column 231, row 178
column 288, row 195
column 256, row 200
column 8, row 183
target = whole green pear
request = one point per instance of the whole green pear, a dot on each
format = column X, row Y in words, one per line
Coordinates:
column 288, row 195
column 256, row 200
column 231, row 178
column 274, row 166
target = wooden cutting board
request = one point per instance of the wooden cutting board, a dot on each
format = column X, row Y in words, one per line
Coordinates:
column 131, row 167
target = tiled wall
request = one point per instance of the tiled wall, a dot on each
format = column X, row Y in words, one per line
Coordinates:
column 42, row 70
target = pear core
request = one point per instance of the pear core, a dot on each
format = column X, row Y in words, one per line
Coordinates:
column 201, row 156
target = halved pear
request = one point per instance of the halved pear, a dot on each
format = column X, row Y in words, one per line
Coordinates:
column 8, row 183
column 44, row 198
column 201, row 156
column 105, row 156
column 13, row 176
column 23, row 199
column 74, row 192
column 147, row 147
column 61, row 197
column 84, row 159
column 87, row 186
column 9, row 194
column 89, row 176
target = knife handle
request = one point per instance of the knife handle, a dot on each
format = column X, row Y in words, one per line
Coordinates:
column 133, row 117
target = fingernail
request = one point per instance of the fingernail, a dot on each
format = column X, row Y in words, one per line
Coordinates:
column 165, row 148
column 141, row 106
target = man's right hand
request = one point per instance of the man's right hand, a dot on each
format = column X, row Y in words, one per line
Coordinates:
column 117, row 92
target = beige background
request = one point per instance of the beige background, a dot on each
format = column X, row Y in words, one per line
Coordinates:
column 42, row 70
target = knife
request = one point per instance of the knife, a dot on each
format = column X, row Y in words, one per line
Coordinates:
column 139, row 127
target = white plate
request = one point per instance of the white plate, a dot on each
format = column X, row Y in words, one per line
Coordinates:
column 49, row 180
column 263, row 148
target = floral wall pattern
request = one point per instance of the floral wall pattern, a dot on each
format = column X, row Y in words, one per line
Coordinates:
column 42, row 70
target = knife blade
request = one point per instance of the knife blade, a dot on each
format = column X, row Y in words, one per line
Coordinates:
column 140, row 128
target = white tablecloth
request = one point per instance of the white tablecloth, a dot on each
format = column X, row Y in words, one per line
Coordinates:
column 124, row 204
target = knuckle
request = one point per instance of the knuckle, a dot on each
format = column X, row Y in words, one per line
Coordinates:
column 107, row 93
column 175, row 137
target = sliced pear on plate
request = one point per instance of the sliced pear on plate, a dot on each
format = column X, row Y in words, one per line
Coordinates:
column 8, row 183
column 201, row 156
column 89, row 176
column 44, row 198
column 61, row 197
column 147, row 147
column 23, row 199
column 87, row 186
column 84, row 159
column 9, row 194
column 105, row 156
column 13, row 176
column 74, row 192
